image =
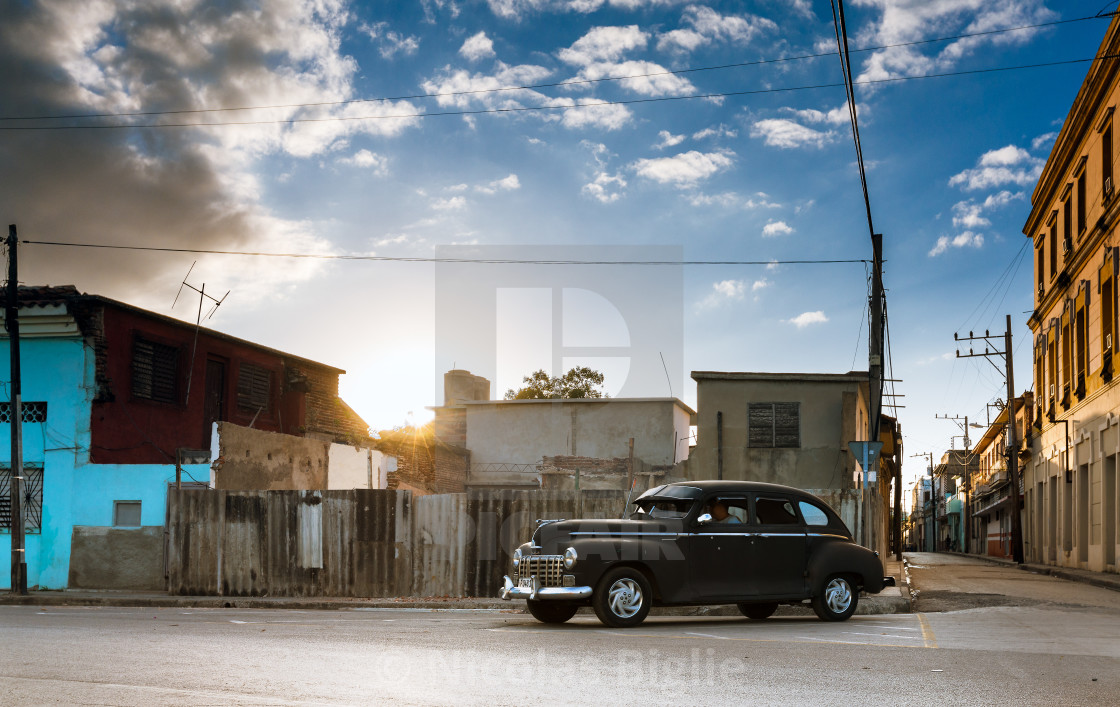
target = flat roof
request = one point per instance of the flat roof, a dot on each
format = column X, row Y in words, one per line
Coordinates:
column 565, row 401
column 850, row 376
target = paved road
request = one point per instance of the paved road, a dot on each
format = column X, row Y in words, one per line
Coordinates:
column 1039, row 654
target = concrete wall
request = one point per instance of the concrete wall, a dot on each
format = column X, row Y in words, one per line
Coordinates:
column 524, row 431
column 357, row 468
column 117, row 558
column 58, row 368
column 833, row 412
column 249, row 459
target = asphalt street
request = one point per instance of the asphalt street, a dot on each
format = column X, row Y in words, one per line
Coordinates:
column 1060, row 650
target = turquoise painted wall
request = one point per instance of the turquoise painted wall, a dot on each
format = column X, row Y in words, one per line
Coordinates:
column 60, row 371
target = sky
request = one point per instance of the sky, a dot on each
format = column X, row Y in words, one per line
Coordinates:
column 711, row 142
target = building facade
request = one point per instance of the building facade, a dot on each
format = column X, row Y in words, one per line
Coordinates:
column 113, row 397
column 1069, row 480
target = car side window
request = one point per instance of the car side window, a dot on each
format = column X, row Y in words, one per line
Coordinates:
column 812, row 514
column 730, row 510
column 774, row 511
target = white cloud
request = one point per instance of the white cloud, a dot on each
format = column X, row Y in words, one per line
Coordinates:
column 969, row 214
column 835, row 116
column 702, row 25
column 606, row 188
column 716, row 131
column 806, row 318
column 477, row 46
column 603, row 44
column 772, row 266
column 776, row 228
column 1041, row 140
column 391, row 240
column 760, row 284
column 389, row 42
column 451, row 204
column 1007, row 165
column 966, row 239
column 786, row 134
column 684, row 170
column 642, row 77
column 723, row 292
column 460, row 89
column 910, row 20
column 593, row 114
column 369, row 160
column 668, row 140
column 510, row 183
column 730, row 199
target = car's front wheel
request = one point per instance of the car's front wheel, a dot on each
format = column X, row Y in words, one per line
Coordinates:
column 837, row 598
column 551, row 612
column 758, row 612
column 622, row 598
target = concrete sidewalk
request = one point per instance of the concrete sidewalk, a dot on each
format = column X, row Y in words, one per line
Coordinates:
column 892, row 600
column 1107, row 580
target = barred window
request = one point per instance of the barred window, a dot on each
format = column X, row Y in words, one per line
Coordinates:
column 774, row 425
column 254, row 387
column 32, row 506
column 28, row 412
column 155, row 371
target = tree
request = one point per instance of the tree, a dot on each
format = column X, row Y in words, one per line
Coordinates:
column 579, row 382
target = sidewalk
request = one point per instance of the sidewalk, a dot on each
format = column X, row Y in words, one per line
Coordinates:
column 892, row 600
column 1107, row 580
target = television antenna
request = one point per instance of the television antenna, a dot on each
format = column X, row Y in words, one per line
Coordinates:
column 202, row 297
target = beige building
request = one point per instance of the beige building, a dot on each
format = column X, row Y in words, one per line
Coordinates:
column 561, row 443
column 1069, row 482
column 793, row 429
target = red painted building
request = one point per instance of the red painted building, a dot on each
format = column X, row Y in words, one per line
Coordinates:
column 160, row 383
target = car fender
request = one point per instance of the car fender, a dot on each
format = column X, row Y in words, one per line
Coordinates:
column 837, row 556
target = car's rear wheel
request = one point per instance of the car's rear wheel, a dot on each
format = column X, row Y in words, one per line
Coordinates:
column 622, row 598
column 758, row 611
column 551, row 612
column 837, row 598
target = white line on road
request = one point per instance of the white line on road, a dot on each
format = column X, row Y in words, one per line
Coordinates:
column 704, row 635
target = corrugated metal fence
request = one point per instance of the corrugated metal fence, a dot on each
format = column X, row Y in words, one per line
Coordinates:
column 360, row 543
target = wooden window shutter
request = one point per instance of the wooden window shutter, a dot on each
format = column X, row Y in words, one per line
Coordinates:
column 155, row 371
column 254, row 387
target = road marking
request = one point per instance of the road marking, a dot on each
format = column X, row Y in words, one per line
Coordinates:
column 704, row 635
column 927, row 632
column 692, row 636
column 880, row 635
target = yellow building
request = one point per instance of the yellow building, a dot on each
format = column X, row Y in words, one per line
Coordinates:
column 1069, row 480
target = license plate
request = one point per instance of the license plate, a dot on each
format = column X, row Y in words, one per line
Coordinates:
column 525, row 583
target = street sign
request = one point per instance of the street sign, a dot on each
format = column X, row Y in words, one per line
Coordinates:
column 866, row 454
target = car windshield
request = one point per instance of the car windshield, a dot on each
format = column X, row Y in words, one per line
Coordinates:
column 661, row 507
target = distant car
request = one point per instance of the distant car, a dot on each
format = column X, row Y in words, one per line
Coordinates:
column 751, row 544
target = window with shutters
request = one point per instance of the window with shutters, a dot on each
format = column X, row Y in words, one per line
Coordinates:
column 774, row 425
column 1039, row 369
column 1080, row 342
column 1052, row 360
column 1067, row 224
column 155, row 371
column 1067, row 355
column 1108, row 316
column 1082, row 207
column 254, row 387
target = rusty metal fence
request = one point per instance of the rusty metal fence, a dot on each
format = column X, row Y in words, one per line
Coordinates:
column 359, row 543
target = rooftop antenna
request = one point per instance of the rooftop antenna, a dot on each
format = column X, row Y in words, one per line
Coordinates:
column 202, row 297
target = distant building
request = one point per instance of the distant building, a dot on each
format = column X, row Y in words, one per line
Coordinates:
column 113, row 396
column 1069, row 482
column 559, row 443
column 988, row 500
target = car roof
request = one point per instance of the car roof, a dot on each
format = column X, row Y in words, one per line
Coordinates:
column 712, row 485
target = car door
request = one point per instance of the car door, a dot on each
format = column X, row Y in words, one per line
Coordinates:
column 779, row 548
column 720, row 552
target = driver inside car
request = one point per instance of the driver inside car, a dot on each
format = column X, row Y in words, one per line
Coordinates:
column 718, row 509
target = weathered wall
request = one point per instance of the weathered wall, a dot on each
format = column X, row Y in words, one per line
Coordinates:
column 523, row 431
column 116, row 558
column 358, row 543
column 351, row 467
column 833, row 412
column 249, row 459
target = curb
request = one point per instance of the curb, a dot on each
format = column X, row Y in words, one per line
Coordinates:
column 1096, row 579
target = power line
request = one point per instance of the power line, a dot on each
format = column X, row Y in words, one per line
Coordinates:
column 523, row 109
column 555, row 84
column 409, row 259
column 846, row 65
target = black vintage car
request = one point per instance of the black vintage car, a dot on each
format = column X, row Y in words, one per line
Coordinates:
column 705, row 542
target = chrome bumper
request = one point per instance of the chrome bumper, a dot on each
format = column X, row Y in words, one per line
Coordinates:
column 511, row 591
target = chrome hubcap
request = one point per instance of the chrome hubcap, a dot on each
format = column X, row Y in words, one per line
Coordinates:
column 625, row 598
column 838, row 595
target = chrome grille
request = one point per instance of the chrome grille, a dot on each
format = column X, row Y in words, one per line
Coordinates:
column 549, row 569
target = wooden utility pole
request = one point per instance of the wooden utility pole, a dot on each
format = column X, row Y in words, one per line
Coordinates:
column 11, row 320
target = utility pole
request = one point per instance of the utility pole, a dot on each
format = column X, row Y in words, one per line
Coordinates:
column 966, row 520
column 874, row 370
column 1012, row 441
column 11, row 320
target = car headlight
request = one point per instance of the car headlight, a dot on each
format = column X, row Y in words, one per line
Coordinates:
column 570, row 557
column 517, row 557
